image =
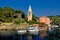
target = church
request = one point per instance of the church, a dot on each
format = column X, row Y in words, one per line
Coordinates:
column 43, row 19
column 30, row 13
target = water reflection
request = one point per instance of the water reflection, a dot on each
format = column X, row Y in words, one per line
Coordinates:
column 15, row 36
column 23, row 37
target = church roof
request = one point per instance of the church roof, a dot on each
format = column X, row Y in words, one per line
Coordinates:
column 30, row 9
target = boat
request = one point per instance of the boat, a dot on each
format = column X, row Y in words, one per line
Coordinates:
column 32, row 30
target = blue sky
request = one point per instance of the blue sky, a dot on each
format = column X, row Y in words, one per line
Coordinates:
column 39, row 7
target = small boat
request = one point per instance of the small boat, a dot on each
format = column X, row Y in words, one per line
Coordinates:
column 22, row 31
column 32, row 30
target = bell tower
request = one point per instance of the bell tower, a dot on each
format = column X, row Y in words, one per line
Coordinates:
column 29, row 14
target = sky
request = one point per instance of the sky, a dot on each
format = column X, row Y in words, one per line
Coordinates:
column 39, row 7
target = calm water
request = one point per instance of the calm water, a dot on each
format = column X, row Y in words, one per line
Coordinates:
column 21, row 37
column 15, row 36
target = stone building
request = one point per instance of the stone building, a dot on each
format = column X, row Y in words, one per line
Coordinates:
column 29, row 13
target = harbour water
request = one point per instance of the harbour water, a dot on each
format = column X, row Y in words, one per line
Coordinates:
column 13, row 35
column 21, row 37
column 43, row 35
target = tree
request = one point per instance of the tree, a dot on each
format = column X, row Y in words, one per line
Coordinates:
column 1, row 11
column 30, row 22
column 19, row 11
column 18, row 21
column 34, row 17
column 56, row 19
column 23, row 15
column 8, row 12
column 20, row 14
column 42, row 24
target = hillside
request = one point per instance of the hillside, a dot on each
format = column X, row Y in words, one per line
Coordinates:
column 54, row 15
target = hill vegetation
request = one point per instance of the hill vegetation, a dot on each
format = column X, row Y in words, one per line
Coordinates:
column 55, row 19
column 8, row 14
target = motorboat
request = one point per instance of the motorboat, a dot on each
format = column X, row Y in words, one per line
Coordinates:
column 32, row 30
column 22, row 31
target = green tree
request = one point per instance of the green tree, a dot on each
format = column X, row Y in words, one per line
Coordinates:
column 23, row 15
column 20, row 14
column 8, row 12
column 42, row 24
column 1, row 11
column 56, row 19
column 19, row 11
column 30, row 22
column 34, row 17
column 18, row 21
